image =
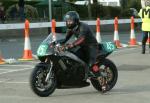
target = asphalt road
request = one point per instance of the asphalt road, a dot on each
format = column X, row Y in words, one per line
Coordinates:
column 133, row 85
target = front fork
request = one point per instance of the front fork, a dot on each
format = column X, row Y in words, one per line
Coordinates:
column 103, row 80
column 103, row 83
column 49, row 72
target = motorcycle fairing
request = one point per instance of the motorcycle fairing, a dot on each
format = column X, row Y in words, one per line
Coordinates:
column 72, row 56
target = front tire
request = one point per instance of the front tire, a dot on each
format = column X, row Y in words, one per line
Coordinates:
column 112, row 75
column 38, row 84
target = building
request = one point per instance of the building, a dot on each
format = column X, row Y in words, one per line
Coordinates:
column 102, row 2
column 109, row 2
column 81, row 2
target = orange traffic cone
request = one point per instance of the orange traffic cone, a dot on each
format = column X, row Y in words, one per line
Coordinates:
column 132, row 36
column 53, row 29
column 98, row 36
column 116, row 36
column 27, row 46
column 148, row 40
column 1, row 59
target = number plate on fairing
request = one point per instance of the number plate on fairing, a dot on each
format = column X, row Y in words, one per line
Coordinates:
column 42, row 50
column 108, row 46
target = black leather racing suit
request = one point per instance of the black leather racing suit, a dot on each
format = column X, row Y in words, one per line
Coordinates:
column 87, row 42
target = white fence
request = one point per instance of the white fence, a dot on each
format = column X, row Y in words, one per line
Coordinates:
column 60, row 24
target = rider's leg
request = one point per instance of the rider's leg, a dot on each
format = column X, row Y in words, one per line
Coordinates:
column 92, row 60
column 81, row 53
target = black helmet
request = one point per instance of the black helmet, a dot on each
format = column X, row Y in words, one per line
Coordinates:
column 74, row 17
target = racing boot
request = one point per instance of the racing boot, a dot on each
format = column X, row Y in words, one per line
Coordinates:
column 84, row 83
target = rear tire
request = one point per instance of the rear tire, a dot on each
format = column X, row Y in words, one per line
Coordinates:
column 38, row 84
column 113, row 72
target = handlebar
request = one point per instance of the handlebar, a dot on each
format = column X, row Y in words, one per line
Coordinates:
column 60, row 48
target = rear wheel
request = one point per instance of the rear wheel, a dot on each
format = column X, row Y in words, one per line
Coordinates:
column 39, row 85
column 109, row 75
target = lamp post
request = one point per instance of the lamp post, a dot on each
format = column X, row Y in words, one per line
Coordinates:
column 89, row 9
column 50, row 9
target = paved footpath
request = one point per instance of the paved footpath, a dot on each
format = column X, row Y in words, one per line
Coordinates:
column 133, row 84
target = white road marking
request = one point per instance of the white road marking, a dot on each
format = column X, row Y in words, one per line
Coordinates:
column 18, row 70
column 14, row 82
column 124, row 50
column 120, row 50
column 17, row 65
column 5, row 69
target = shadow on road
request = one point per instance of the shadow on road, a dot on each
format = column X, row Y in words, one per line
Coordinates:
column 128, row 67
column 131, row 89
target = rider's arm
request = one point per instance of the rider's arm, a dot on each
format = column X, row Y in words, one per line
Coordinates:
column 79, row 41
column 69, row 33
column 82, row 36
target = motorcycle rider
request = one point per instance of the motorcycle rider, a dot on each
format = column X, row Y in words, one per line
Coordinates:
column 84, row 39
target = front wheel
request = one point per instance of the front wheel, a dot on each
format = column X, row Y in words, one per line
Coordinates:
column 108, row 72
column 39, row 85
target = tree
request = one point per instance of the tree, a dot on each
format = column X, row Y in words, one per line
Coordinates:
column 124, row 3
column 20, row 11
column 135, row 4
column 21, row 3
